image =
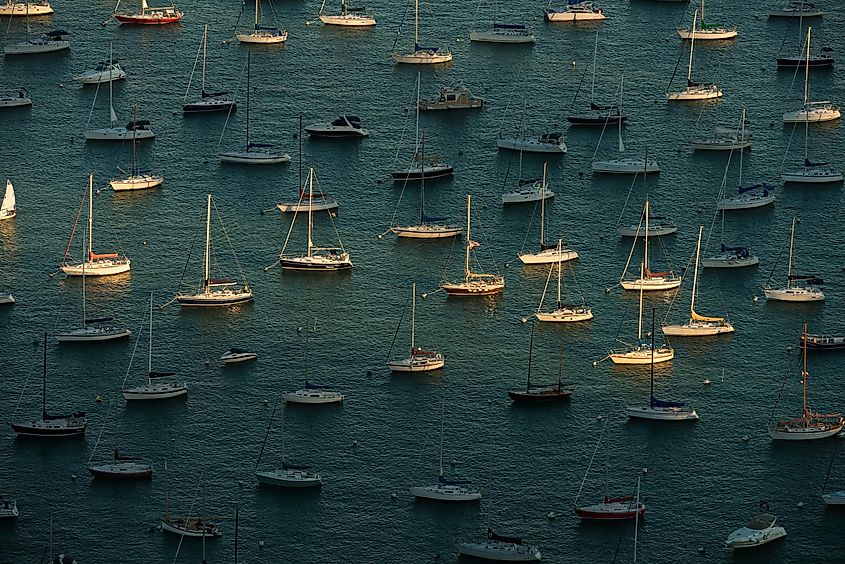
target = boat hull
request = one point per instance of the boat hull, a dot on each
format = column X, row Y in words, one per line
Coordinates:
column 429, row 172
column 633, row 231
column 348, row 20
column 651, row 284
column 566, row 315
column 101, row 77
column 177, row 528
column 612, row 511
column 526, row 196
column 90, row 334
column 642, row 357
column 27, row 48
column 746, row 538
column 105, row 267
column 592, row 119
column 316, row 399
column 834, row 498
column 21, row 9
column 708, row 35
column 145, row 393
column 572, row 17
column 14, row 102
column 451, row 494
column 694, row 95
column 427, row 232
column 316, row 264
column 739, row 203
column 794, row 295
column 815, row 115
column 804, row 435
column 539, row 395
column 262, row 38
column 729, row 262
column 815, row 62
column 464, row 289
column 697, row 329
column 720, row 145
column 812, row 177
column 121, row 471
column 52, row 430
column 626, row 166
column 330, row 132
column 136, row 183
column 253, row 158
column 214, row 299
column 409, row 365
column 500, row 551
column 422, row 58
column 505, row 38
column 147, row 19
column 661, row 414
column 236, row 358
column 321, row 204
column 283, row 479
column 118, row 134
column 530, row 146
column 209, row 106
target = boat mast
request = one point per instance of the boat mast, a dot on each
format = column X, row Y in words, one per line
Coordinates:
column 530, row 351
column 112, row 116
column 417, row 29
column 651, row 384
column 636, row 520
column 741, row 151
column 417, row 130
column 789, row 265
column 469, row 241
column 248, row 64
column 593, row 83
column 150, row 355
column 640, row 318
column 442, row 417
column 619, row 121
column 691, row 49
column 560, row 370
column 207, row 260
column 543, row 209
column 44, row 388
column 807, row 69
column 166, row 509
column 559, row 252
column 310, row 200
column 804, row 374
column 204, row 46
column 256, row 15
column 90, row 217
column 645, row 239
column 695, row 272
column 413, row 314
column 422, row 176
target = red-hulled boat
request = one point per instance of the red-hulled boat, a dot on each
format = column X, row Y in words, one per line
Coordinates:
column 151, row 16
column 123, row 468
column 612, row 509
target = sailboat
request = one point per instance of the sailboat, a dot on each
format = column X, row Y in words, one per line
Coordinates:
column 575, row 11
column 15, row 98
column 542, row 392
column 564, row 313
column 93, row 264
column 500, row 548
column 253, row 153
column 698, row 325
column 797, row 9
column 215, row 292
column 599, row 114
column 809, row 425
column 446, row 489
column 812, row 112
column 105, row 71
column 47, row 425
column 474, row 284
column 823, row 60
column 209, row 101
column 262, row 34
column 135, row 129
column 318, row 201
column 708, row 32
column 610, row 508
column 348, row 17
column 154, row 388
column 695, row 90
column 159, row 15
column 9, row 208
column 725, row 138
column 643, row 352
column 547, row 253
column 659, row 410
column 289, row 475
column 622, row 165
column 422, row 55
column 49, row 42
column 190, row 526
column 648, row 280
column 322, row 259
column 26, row 8
column 419, row 360
column 747, row 197
column 136, row 179
column 503, row 33
column 799, row 287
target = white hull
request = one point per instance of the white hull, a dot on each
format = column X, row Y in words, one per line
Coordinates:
column 422, row 58
column 555, row 17
column 417, row 364
column 565, row 315
column 262, row 38
column 314, row 397
column 235, row 358
column 526, row 196
column 643, row 356
column 118, row 134
column 779, row 435
column 317, row 262
column 440, row 492
column 21, row 9
column 427, row 231
column 348, row 20
column 812, row 176
column 662, row 413
column 142, row 182
column 317, row 204
column 651, row 284
column 548, row 256
column 35, row 47
column 289, row 479
column 746, row 203
column 720, row 145
column 89, row 334
column 813, row 115
column 794, row 295
column 155, row 391
column 98, row 268
column 14, row 101
column 695, row 94
column 626, row 166
column 6, row 298
column 532, row 146
column 697, row 329
column 253, row 158
column 653, row 231
column 717, row 34
column 220, row 298
column 494, row 37
column 834, row 498
column 500, row 551
column 100, row 77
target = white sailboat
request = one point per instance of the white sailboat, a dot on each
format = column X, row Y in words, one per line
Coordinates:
column 26, row 8
column 136, row 178
column 263, row 34
column 797, row 9
column 695, row 90
column 288, row 475
column 446, row 489
column 9, row 208
column 547, row 253
column 810, row 425
column 708, row 32
column 422, row 55
column 155, row 387
column 648, row 280
column 574, row 12
column 544, row 143
column 135, row 129
column 419, row 360
column 105, row 71
column 94, row 264
column 563, row 313
column 215, row 292
column 253, row 153
column 725, row 138
column 503, row 33
column 209, row 101
column 598, row 114
column 747, row 197
column 698, row 325
column 812, row 112
column 17, row 98
column 348, row 17
column 624, row 165
column 500, row 548
column 643, row 352
column 729, row 257
column 315, row 259
column 799, row 287
column 473, row 284
column 659, row 410
column 49, row 42
column 190, row 526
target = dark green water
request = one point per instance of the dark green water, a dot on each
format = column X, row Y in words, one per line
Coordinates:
column 703, row 481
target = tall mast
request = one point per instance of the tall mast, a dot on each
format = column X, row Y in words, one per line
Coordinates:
column 204, row 46
column 741, row 151
column 807, row 69
column 417, row 126
column 442, row 417
column 256, row 14
column 165, row 508
column 310, row 200
column 543, row 209
column 636, row 518
column 90, row 217
column 559, row 252
column 422, row 176
column 804, row 372
column 593, row 83
column 619, row 121
column 44, row 389
column 248, row 64
column 237, row 514
column 416, row 24
column 702, row 12
column 207, row 259
column 640, row 318
column 469, row 240
column 645, row 239
column 691, row 48
column 112, row 115
column 530, row 351
column 150, row 355
column 413, row 314
column 789, row 267
column 651, row 385
column 695, row 273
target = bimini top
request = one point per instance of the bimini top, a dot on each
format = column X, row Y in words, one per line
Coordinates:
column 765, row 187
column 808, row 163
column 418, row 47
column 493, row 536
column 57, row 33
column 762, row 521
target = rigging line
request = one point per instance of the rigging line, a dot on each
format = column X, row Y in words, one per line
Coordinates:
column 238, row 21
column 404, row 129
column 607, row 121
column 196, row 60
column 681, row 52
column 36, row 362
column 188, row 517
column 331, row 216
column 93, row 105
column 228, row 242
column 190, row 252
column 788, row 146
column 269, row 426
column 633, row 245
column 292, row 222
column 513, row 92
column 75, row 223
column 830, row 467
column 684, row 278
column 628, row 197
column 777, row 260
column 592, row 458
column 398, row 326
column 722, row 194
column 575, row 98
column 273, row 13
column 531, row 222
column 231, row 107
column 789, row 370
column 448, row 256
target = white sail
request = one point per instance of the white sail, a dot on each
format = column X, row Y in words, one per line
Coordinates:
column 8, row 198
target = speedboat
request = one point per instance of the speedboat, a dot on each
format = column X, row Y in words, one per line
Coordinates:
column 26, row 9
column 529, row 191
column 290, row 476
column 730, row 257
column 500, row 548
column 344, row 126
column 105, row 71
column 574, row 12
column 760, row 530
column 314, row 394
column 458, row 98
column 235, row 355
column 15, row 98
column 49, row 42
column 504, row 33
column 545, row 143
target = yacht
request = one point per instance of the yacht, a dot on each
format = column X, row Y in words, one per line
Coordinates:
column 545, row 143
column 760, row 530
column 574, row 12
column 344, row 126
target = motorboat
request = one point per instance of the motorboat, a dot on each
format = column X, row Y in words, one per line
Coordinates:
column 530, row 190
column 56, row 40
column 151, row 16
column 797, row 9
column 759, row 531
column 344, row 126
column 504, row 33
column 8, row 508
column 15, row 98
column 236, row 354
column 730, row 257
column 452, row 98
column 105, row 71
column 574, row 12
column 17, row 8
column 500, row 549
column 290, row 476
column 314, row 394
column 545, row 143
column 348, row 17
column 748, row 197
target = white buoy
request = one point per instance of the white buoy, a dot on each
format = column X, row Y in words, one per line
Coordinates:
column 260, row 544
column 551, row 516
column 701, row 550
column 354, row 442
column 645, row 470
column 393, row 496
column 73, row 476
column 523, row 320
column 745, row 438
column 756, row 299
column 800, row 504
column 265, row 401
column 600, row 417
column 706, row 381
column 595, row 363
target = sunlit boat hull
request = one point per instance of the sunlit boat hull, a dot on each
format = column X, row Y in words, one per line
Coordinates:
column 662, row 413
column 348, row 20
column 99, row 267
column 794, row 295
column 698, row 329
